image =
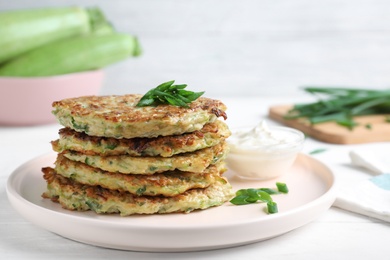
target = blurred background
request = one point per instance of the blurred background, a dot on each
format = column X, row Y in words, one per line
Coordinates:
column 247, row 47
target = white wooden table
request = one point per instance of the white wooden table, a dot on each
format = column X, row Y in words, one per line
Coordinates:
column 336, row 234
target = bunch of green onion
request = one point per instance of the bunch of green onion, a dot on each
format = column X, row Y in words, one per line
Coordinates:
column 341, row 105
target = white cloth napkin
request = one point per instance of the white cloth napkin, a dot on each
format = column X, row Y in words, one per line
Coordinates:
column 370, row 197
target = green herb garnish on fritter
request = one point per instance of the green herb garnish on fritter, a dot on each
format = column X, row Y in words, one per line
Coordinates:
column 341, row 105
column 167, row 93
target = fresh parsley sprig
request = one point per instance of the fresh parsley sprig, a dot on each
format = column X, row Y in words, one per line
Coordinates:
column 168, row 93
column 249, row 196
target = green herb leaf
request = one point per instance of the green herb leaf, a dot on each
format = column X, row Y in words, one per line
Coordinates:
column 168, row 93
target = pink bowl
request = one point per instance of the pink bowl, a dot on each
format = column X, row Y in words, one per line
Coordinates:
column 27, row 101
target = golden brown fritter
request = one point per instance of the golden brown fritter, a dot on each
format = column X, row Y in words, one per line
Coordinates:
column 118, row 117
column 169, row 183
column 196, row 161
column 211, row 134
column 75, row 196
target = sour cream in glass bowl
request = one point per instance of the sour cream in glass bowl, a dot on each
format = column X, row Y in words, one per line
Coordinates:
column 263, row 152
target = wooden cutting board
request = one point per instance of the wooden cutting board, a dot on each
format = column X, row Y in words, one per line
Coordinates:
column 331, row 132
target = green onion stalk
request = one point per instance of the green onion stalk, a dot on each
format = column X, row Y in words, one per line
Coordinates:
column 341, row 105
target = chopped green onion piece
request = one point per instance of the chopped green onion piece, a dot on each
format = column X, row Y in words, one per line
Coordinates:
column 272, row 207
column 242, row 200
column 282, row 187
column 320, row 150
column 269, row 191
column 264, row 196
column 250, row 196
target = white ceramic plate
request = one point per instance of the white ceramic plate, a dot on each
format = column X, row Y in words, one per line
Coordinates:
column 311, row 186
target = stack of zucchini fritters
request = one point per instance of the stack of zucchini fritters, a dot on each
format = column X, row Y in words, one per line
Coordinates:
column 114, row 157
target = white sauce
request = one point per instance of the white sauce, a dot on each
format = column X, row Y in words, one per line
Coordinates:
column 263, row 152
column 261, row 137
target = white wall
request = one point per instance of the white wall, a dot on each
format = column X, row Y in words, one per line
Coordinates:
column 247, row 47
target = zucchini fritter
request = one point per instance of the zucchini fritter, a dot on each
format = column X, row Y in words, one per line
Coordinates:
column 118, row 117
column 75, row 196
column 211, row 134
column 196, row 161
column 169, row 183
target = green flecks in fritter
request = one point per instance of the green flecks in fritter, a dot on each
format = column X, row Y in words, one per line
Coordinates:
column 153, row 168
column 111, row 146
column 141, row 190
column 80, row 127
column 86, row 161
column 93, row 205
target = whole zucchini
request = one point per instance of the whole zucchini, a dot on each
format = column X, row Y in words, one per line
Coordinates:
column 73, row 55
column 24, row 30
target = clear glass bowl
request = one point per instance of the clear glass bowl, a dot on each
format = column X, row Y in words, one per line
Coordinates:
column 264, row 160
